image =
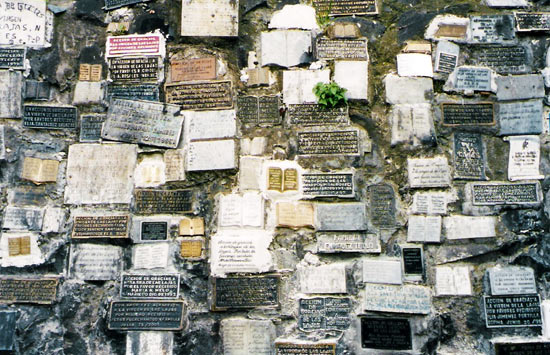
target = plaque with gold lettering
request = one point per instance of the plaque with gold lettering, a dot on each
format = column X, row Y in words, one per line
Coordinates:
column 191, row 226
column 191, row 248
column 275, row 179
column 16, row 290
column 193, row 69
column 115, row 226
column 205, row 95
column 453, row 31
column 19, row 246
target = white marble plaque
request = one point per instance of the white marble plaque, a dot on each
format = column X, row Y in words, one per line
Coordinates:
column 250, row 170
column 32, row 256
column 211, row 155
column 11, row 87
column 411, row 124
column 524, row 158
column 174, row 164
column 294, row 16
column 100, row 173
column 340, row 216
column 492, row 29
column 353, row 75
column 453, row 281
column 149, row 343
column 348, row 243
column 150, row 171
column 408, row 90
column 95, row 262
column 2, row 143
column 429, row 172
column 23, row 23
column 470, row 79
column 397, row 299
column 244, row 336
column 23, row 218
column 150, row 256
column 209, row 124
column 414, row 64
column 424, row 229
column 285, row 48
column 507, row 3
column 512, row 280
column 430, row 203
column 298, row 85
column 210, row 18
column 323, row 279
column 467, row 227
column 54, row 218
column 241, row 210
column 382, row 271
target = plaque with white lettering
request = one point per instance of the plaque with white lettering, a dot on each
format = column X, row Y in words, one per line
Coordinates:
column 512, row 311
column 328, row 185
column 346, row 7
column 413, row 260
column 329, row 143
column 49, row 117
column 329, row 313
column 146, row 315
column 316, row 115
column 503, row 59
column 245, row 292
column 348, row 243
column 90, row 128
column 206, row 95
column 478, row 114
column 157, row 286
column 101, row 226
column 532, row 21
column 23, row 290
column 134, row 69
column 488, row 194
column 468, row 157
column 341, row 48
column 115, row 4
column 145, row 92
column 386, row 333
column 305, row 348
column 151, row 231
column 12, row 58
column 530, row 348
column 163, row 201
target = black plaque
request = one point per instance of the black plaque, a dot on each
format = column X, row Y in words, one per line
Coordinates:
column 330, row 313
column 134, row 69
column 259, row 110
column 150, row 286
column 382, row 205
column 447, row 63
column 114, row 4
column 247, row 109
column 163, row 201
column 386, row 333
column 146, row 315
column 245, row 292
column 147, row 92
column 341, row 48
column 469, row 159
column 37, row 90
column 90, row 127
column 503, row 59
column 206, row 95
column 16, row 290
column 305, row 349
column 115, row 226
column 328, row 185
column 345, row 7
column 49, row 117
column 513, row 311
column 329, row 142
column 478, row 114
column 12, row 58
column 413, row 263
column 7, row 330
column 532, row 21
column 154, row 230
column 534, row 348
column 316, row 115
column 504, row 194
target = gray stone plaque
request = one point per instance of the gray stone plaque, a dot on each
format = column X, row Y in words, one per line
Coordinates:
column 477, row 79
column 478, row 114
column 469, row 158
column 49, row 117
column 329, row 142
column 520, row 117
column 341, row 216
column 90, row 128
column 397, row 299
column 329, row 313
column 504, row 59
column 7, row 331
column 22, row 218
column 529, row 348
column 315, row 115
column 492, row 29
column 134, row 69
column 146, row 315
column 95, row 262
column 512, row 311
column 346, row 7
column 37, row 90
column 519, row 87
column 512, row 281
column 157, row 286
column 532, row 21
column 12, row 58
column 146, row 92
column 11, row 87
column 329, row 243
column 342, row 48
column 328, row 185
column 382, row 205
column 487, row 194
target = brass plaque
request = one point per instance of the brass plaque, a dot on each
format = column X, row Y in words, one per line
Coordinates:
column 85, row 72
column 275, row 179
column 193, row 69
column 191, row 248
column 454, row 31
column 14, row 290
column 290, row 180
column 19, row 246
column 95, row 72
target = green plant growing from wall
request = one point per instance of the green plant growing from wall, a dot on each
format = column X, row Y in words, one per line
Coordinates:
column 330, row 95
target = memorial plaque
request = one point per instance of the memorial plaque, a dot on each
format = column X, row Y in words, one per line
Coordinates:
column 503, row 59
column 341, row 216
column 245, row 292
column 344, row 48
column 143, row 122
column 191, row 226
column 16, row 290
column 492, row 29
column 469, row 157
column 346, row 7
column 316, row 115
column 23, row 218
column 429, row 172
column 285, row 48
column 24, row 22
column 520, row 117
column 282, row 180
column 524, row 158
column 159, row 286
column 37, row 90
column 243, row 336
column 146, row 315
column 397, row 299
column 457, row 31
column 193, row 69
column 259, row 110
column 247, row 109
column 11, row 87
column 512, row 311
column 90, row 128
column 40, row 170
column 101, row 226
column 505, row 194
column 134, row 69
column 150, row 256
column 210, row 18
column 386, row 333
column 446, row 56
column 174, row 164
column 154, row 231
column 163, row 201
column 12, row 58
column 191, row 249
column 413, row 260
column 382, row 205
column 519, row 87
column 211, row 155
column 328, row 143
column 95, row 262
column 472, row 78
column 531, row 348
column 90, row 72
column 146, row 44
column 207, row 95
column 7, row 330
column 202, row 125
column 145, row 92
column 512, row 281
column 430, row 203
column 295, row 215
column 382, row 271
column 19, row 246
column 479, row 114
column 49, row 117
column 115, row 4
column 328, row 278
column 328, row 313
column 532, row 21
column 453, row 281
column 424, row 229
column 328, row 185
column 348, row 243
column 304, row 348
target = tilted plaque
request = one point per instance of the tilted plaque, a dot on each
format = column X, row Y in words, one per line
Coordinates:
column 503, row 59
column 115, row 4
column 146, row 315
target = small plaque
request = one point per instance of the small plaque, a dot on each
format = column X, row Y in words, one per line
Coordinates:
column 101, row 226
column 95, row 262
column 532, row 21
column 492, row 29
column 150, row 286
column 154, row 231
column 328, row 185
column 19, row 246
column 84, row 73
column 90, row 128
column 341, row 216
column 413, row 260
column 342, row 48
column 397, row 299
column 14, row 290
column 512, row 281
column 505, row 194
column 146, row 315
column 37, row 90
column 243, row 336
column 191, row 248
column 259, row 110
column 329, row 143
column 479, row 114
column 245, row 292
column 451, row 31
column 191, row 226
column 49, row 117
column 382, row 205
column 429, row 172
column 386, row 333
column 382, row 271
column 7, row 335
column 134, row 69
column 303, row 348
column 11, row 86
column 193, row 69
column 469, row 158
column 145, row 92
column 531, row 348
column 520, row 117
column 348, row 243
column 524, row 158
column 207, row 95
column 327, row 278
column 163, row 201
column 346, row 7
column 210, row 18
column 147, row 44
column 424, row 229
column 329, row 313
column 295, row 215
column 316, row 115
column 473, row 78
column 95, row 72
column 513, row 311
column 211, row 155
column 40, row 170
column 12, row 58
column 115, row 4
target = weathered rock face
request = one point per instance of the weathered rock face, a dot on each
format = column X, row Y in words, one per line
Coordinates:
column 172, row 180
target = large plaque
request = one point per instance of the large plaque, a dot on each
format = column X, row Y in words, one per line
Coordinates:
column 16, row 290
column 150, row 286
column 12, row 58
column 25, row 22
column 245, row 292
column 505, row 194
column 154, row 231
column 520, row 117
column 328, row 185
column 329, row 142
column 532, row 21
column 342, row 48
column 114, row 4
column 469, row 158
column 328, row 313
column 259, row 110
column 146, row 315
column 101, row 226
column 316, row 115
column 163, row 201
column 95, row 262
column 512, row 281
column 346, row 7
column 429, row 172
column 193, row 69
column 503, row 59
column 382, row 205
column 49, row 117
column 206, row 95
column 134, row 69
column 386, row 333
column 492, row 29
column 479, row 114
column 146, row 92
column 90, row 128
column 348, row 243
column 531, row 348
column 513, row 311
column 302, row 348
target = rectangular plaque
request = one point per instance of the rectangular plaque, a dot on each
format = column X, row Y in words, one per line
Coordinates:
column 193, row 69
column 7, row 330
column 382, row 205
column 192, row 248
column 413, row 260
column 37, row 90
column 328, row 185
column 330, row 313
column 341, row 216
column 163, row 201
column 15, row 290
column 245, row 292
column 147, row 44
column 512, row 311
column 531, row 348
column 512, row 281
column 302, row 348
column 468, row 157
column 451, row 30
column 211, row 155
column 316, row 115
column 146, row 315
column 520, row 117
column 348, row 243
column 115, row 4
column 145, row 92
column 479, row 114
column 90, row 72
column 101, row 226
column 206, row 95
column 532, row 21
column 95, row 262
column 492, row 29
column 397, row 299
column 12, row 58
column 154, row 230
column 259, row 110
column 342, row 48
column 25, row 22
column 49, row 117
column 40, row 170
column 143, row 122
column 503, row 59
column 19, row 246
column 346, row 7
column 90, row 128
column 150, row 286
column 429, row 172
column 386, row 333
column 191, row 226
column 210, row 18
column 473, row 78
column 505, row 194
column 134, row 69
column 328, row 143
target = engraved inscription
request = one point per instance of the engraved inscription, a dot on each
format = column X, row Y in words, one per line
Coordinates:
column 386, row 333
column 206, row 95
column 469, row 159
column 503, row 59
column 468, row 114
column 502, row 194
column 331, row 142
column 147, row 92
column 149, row 286
column 152, row 315
column 329, row 313
column 28, row 290
column 326, row 185
column 163, row 201
column 101, row 226
column 382, row 205
column 513, row 311
column 134, row 69
column 315, row 115
column 345, row 7
column 246, row 292
column 532, row 21
column 49, row 117
column 341, row 48
column 193, row 69
column 12, row 58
